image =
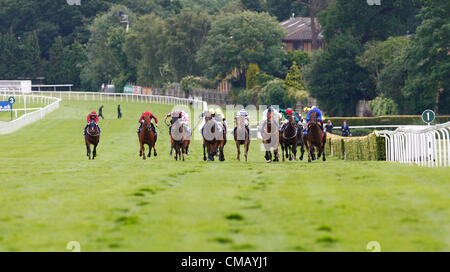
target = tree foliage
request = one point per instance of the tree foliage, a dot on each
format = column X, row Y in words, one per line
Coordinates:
column 236, row 40
column 428, row 60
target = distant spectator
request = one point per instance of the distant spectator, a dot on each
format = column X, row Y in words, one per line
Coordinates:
column 119, row 112
column 345, row 129
column 329, row 127
column 100, row 112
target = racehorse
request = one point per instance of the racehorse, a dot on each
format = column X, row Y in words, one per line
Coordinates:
column 210, row 144
column 92, row 137
column 268, row 136
column 241, row 137
column 180, row 142
column 147, row 136
column 289, row 139
column 315, row 138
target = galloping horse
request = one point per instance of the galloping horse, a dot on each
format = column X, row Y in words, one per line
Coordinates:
column 289, row 139
column 221, row 142
column 148, row 137
column 209, row 141
column 181, row 140
column 270, row 133
column 315, row 138
column 92, row 137
column 241, row 137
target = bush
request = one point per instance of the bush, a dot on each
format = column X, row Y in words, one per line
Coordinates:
column 191, row 83
column 367, row 148
column 274, row 93
column 383, row 105
column 386, row 120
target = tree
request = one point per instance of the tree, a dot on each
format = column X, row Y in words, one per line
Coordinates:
column 384, row 63
column 103, row 49
column 314, row 7
column 31, row 55
column 383, row 105
column 334, row 77
column 283, row 9
column 428, row 60
column 75, row 59
column 274, row 93
column 236, row 40
column 145, row 48
column 252, row 76
column 56, row 71
column 294, row 83
column 366, row 22
column 10, row 67
column 186, row 34
column 253, row 5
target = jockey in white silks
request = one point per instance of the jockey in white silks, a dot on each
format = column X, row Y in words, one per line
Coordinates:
column 276, row 117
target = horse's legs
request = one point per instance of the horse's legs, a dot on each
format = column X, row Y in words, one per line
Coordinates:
column 302, row 150
column 94, row 153
column 246, row 146
column 313, row 151
column 204, row 152
column 282, row 152
column 221, row 154
column 171, row 149
column 88, row 147
column 238, row 146
column 294, row 151
column 143, row 151
column 276, row 155
column 308, row 148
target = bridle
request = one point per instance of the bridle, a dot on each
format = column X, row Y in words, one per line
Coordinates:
column 293, row 124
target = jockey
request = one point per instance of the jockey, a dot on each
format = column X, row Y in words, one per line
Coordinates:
column 287, row 114
column 319, row 117
column 141, row 121
column 92, row 117
column 275, row 117
column 244, row 114
column 220, row 119
column 177, row 115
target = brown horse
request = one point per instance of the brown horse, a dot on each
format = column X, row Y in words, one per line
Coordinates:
column 289, row 139
column 92, row 137
column 268, row 136
column 147, row 136
column 179, row 138
column 212, row 141
column 315, row 138
column 241, row 137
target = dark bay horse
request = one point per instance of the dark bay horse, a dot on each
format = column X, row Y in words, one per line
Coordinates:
column 92, row 137
column 289, row 139
column 210, row 142
column 148, row 137
column 315, row 138
column 213, row 140
column 241, row 137
column 271, row 139
column 179, row 138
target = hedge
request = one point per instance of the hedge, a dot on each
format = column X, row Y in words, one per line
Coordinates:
column 386, row 120
column 367, row 148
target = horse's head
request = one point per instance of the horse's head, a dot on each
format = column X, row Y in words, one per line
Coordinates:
column 240, row 121
column 313, row 118
column 292, row 120
column 147, row 122
column 92, row 128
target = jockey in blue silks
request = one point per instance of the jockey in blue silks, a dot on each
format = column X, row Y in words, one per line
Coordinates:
column 308, row 117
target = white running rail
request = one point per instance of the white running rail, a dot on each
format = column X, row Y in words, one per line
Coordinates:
column 28, row 118
column 429, row 146
column 117, row 97
column 53, row 99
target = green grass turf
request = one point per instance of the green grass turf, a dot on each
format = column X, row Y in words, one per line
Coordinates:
column 51, row 194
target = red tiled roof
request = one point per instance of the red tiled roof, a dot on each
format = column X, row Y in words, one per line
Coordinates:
column 299, row 28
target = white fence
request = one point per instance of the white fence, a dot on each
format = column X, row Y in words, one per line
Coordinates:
column 428, row 146
column 53, row 99
column 118, row 97
column 28, row 118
